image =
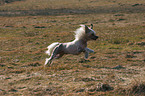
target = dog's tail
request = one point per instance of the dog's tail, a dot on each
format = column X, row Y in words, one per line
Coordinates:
column 51, row 47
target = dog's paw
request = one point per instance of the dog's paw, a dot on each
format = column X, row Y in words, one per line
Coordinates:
column 86, row 55
column 47, row 61
column 91, row 51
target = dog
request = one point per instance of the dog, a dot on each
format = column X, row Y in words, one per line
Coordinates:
column 77, row 46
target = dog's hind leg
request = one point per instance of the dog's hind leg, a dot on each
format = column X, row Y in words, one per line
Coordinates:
column 59, row 56
column 56, row 51
column 46, row 61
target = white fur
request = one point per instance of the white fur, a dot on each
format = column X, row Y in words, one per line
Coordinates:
column 80, row 32
column 51, row 47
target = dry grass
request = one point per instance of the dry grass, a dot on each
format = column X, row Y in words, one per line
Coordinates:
column 135, row 88
column 24, row 39
column 60, row 4
column 61, row 7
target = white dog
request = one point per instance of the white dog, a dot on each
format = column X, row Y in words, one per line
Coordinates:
column 82, row 35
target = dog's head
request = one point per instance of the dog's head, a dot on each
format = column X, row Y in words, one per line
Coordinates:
column 90, row 33
column 85, row 33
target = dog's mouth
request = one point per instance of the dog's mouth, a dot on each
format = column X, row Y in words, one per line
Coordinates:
column 95, row 37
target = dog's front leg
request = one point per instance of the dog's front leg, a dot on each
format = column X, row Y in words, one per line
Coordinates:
column 56, row 51
column 86, row 54
column 87, row 51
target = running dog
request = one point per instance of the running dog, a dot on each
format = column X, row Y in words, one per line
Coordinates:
column 77, row 46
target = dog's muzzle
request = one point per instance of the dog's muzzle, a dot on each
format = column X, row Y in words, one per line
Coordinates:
column 95, row 37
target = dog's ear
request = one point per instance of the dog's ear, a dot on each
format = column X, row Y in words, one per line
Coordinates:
column 91, row 26
column 86, row 28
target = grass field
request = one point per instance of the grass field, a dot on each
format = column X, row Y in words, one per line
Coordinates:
column 117, row 68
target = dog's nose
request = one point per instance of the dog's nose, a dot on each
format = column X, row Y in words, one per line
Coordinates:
column 97, row 37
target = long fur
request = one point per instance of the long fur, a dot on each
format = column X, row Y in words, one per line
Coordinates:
column 80, row 32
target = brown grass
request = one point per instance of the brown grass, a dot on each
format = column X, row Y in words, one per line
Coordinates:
column 135, row 88
column 117, row 61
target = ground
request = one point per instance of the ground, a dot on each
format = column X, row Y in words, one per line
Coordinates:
column 116, row 68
